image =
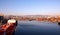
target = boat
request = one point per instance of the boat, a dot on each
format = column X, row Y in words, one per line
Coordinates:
column 58, row 23
column 7, row 27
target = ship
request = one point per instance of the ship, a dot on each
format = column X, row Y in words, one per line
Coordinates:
column 58, row 23
column 7, row 26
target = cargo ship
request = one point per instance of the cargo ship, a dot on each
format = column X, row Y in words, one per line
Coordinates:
column 7, row 26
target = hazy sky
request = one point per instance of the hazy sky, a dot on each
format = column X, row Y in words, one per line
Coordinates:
column 30, row 7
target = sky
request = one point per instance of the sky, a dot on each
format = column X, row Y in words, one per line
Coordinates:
column 30, row 7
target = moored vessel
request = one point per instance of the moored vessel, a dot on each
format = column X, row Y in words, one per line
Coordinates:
column 7, row 27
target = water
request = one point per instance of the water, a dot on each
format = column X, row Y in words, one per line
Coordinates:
column 37, row 28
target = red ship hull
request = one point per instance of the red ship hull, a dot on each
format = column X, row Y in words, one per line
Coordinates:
column 7, row 29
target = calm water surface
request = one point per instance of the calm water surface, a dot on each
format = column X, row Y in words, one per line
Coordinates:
column 37, row 28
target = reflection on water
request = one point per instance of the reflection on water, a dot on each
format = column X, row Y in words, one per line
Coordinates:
column 37, row 28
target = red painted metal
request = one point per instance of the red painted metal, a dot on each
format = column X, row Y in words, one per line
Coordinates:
column 7, row 29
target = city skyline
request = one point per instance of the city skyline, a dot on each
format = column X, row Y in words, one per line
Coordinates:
column 30, row 7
